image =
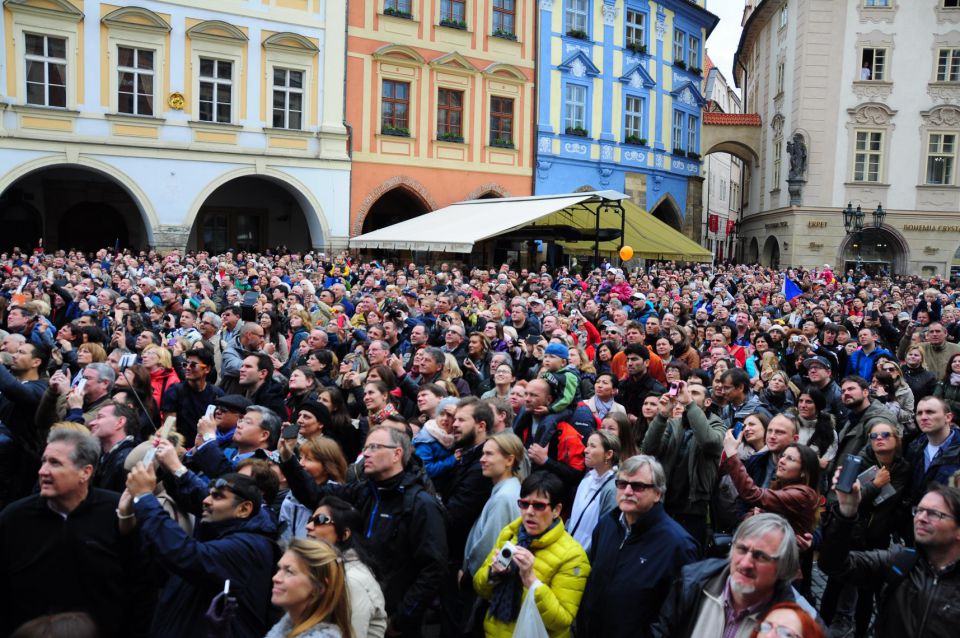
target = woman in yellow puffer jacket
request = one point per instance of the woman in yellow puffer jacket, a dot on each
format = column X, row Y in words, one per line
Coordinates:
column 543, row 552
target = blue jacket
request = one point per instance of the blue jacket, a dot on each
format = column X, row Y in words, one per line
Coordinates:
column 862, row 364
column 437, row 460
column 631, row 573
column 241, row 550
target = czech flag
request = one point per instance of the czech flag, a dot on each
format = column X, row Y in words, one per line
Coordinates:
column 790, row 290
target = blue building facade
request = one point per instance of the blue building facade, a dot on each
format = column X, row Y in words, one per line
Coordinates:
column 619, row 101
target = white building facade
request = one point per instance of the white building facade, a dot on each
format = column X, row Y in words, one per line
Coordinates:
column 723, row 173
column 174, row 124
column 870, row 91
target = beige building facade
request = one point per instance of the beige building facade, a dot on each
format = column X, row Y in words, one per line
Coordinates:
column 866, row 95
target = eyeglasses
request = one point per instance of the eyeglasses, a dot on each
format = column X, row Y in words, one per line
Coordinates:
column 759, row 556
column 778, row 631
column 321, row 519
column 636, row 486
column 537, row 506
column 880, row 435
column 193, row 364
column 932, row 515
column 373, row 447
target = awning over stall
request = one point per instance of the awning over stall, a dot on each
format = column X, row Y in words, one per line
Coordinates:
column 568, row 219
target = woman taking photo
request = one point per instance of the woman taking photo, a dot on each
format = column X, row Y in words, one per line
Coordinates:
column 274, row 342
column 322, row 460
column 310, row 587
column 817, row 428
column 753, row 440
column 544, row 554
column 597, row 494
column 337, row 522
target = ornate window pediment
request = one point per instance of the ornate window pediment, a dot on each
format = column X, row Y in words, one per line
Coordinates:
column 217, row 30
column 689, row 95
column 136, row 18
column 947, row 115
column 398, row 52
column 290, row 42
column 453, row 61
column 638, row 78
column 49, row 8
column 872, row 114
column 579, row 65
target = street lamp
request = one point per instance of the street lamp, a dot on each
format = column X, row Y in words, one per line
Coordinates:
column 853, row 225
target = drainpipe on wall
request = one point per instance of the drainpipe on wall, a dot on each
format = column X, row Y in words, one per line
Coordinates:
column 534, row 139
column 346, row 125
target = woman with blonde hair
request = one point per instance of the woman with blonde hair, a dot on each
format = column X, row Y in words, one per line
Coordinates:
column 451, row 372
column 300, row 326
column 310, row 586
column 921, row 381
column 159, row 364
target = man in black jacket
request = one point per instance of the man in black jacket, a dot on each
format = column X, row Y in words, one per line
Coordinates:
column 636, row 553
column 61, row 549
column 464, row 497
column 922, row 586
column 403, row 522
column 115, row 426
column 638, row 383
column 21, row 390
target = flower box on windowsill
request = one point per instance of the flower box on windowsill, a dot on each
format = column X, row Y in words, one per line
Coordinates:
column 397, row 13
column 578, row 34
column 398, row 131
column 577, row 130
column 693, row 155
column 454, row 24
column 634, row 140
column 678, row 152
column 637, row 47
column 450, row 137
column 501, row 143
column 680, row 64
column 506, row 35
column 695, row 70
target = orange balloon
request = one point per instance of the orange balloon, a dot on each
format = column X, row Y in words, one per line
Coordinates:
column 626, row 253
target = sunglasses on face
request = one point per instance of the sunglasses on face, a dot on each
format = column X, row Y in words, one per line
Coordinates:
column 880, row 435
column 537, row 506
column 636, row 486
column 321, row 519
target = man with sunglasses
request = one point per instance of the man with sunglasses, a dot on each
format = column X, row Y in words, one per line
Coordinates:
column 636, row 553
column 921, row 587
column 234, row 540
column 189, row 399
column 721, row 597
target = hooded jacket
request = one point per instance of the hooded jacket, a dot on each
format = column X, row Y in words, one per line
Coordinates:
column 404, row 526
column 631, row 572
column 241, row 550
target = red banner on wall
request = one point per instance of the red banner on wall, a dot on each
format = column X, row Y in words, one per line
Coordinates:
column 713, row 223
column 730, row 226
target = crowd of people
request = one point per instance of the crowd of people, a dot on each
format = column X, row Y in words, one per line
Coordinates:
column 283, row 445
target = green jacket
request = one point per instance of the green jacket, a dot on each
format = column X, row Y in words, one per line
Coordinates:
column 663, row 441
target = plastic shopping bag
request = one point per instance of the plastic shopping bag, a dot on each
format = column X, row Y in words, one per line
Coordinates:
column 529, row 624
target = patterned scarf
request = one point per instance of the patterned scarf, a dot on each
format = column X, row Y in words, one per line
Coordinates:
column 381, row 416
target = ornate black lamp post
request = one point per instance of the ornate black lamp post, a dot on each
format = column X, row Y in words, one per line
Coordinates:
column 853, row 225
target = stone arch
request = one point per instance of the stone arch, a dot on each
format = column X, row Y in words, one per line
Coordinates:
column 398, row 51
column 753, row 251
column 501, row 70
column 147, row 213
column 417, row 189
column 738, row 149
column 136, row 18
column 771, row 253
column 899, row 248
column 316, row 218
column 667, row 211
column 217, row 30
column 491, row 188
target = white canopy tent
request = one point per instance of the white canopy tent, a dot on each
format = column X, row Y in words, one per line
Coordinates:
column 456, row 228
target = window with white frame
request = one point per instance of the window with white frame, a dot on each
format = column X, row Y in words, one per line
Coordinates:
column 868, row 156
column 453, row 10
column 678, row 118
column 876, row 3
column 723, row 189
column 691, row 133
column 575, row 105
column 636, row 23
column 575, row 15
column 398, row 6
column 941, row 158
column 777, row 159
column 693, row 52
column 46, row 70
column 783, row 16
column 951, row 4
column 781, row 71
column 948, row 65
column 216, row 90
column 679, row 37
column 287, row 98
column 873, row 64
column 633, row 118
column 135, row 80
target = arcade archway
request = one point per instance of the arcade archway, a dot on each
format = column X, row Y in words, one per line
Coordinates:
column 70, row 207
column 753, row 252
column 253, row 213
column 880, row 250
column 668, row 212
column 771, row 253
column 395, row 206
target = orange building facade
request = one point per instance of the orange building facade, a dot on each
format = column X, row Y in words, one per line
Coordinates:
column 440, row 104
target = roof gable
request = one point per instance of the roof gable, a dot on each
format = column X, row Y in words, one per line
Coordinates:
column 579, row 65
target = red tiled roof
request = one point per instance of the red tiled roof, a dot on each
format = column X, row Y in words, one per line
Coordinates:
column 707, row 65
column 732, row 119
